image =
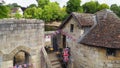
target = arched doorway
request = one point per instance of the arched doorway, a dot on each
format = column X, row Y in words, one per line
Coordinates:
column 21, row 58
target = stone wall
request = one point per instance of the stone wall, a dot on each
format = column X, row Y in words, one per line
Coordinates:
column 93, row 57
column 77, row 31
column 84, row 56
column 76, row 34
column 21, row 35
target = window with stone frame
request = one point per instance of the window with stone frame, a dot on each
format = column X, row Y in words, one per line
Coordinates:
column 71, row 27
column 111, row 52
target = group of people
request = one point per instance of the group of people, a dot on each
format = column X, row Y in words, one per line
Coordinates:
column 65, row 56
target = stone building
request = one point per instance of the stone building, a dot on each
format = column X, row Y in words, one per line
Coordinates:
column 76, row 25
column 16, row 10
column 22, row 42
column 96, row 47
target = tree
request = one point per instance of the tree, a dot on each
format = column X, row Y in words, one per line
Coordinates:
column 42, row 3
column 48, row 11
column 53, row 12
column 32, row 5
column 73, row 6
column 103, row 6
column 4, row 12
column 33, row 12
column 62, row 14
column 13, row 5
column 38, row 14
column 90, row 7
column 18, row 15
column 116, row 9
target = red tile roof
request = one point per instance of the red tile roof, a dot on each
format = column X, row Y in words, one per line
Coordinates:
column 106, row 33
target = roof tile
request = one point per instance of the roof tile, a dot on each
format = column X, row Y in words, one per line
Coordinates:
column 106, row 33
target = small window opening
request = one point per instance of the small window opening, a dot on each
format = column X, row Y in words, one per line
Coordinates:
column 71, row 28
column 111, row 52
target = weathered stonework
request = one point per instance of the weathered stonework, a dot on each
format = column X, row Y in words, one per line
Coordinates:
column 93, row 55
column 76, row 34
column 20, row 35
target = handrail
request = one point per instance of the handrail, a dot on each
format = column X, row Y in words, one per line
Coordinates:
column 46, row 57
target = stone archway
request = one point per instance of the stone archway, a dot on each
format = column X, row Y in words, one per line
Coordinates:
column 18, row 49
column 23, row 35
column 20, row 55
column 21, row 58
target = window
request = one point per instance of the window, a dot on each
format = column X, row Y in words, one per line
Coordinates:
column 111, row 52
column 86, row 29
column 71, row 27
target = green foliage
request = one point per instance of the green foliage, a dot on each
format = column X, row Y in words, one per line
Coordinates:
column 42, row 3
column 4, row 12
column 13, row 5
column 33, row 12
column 32, row 5
column 52, row 12
column 39, row 14
column 90, row 7
column 73, row 6
column 94, row 6
column 103, row 6
column 18, row 15
column 47, row 13
column 62, row 14
column 28, row 13
column 116, row 9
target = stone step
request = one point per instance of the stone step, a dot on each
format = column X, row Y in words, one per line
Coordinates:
column 53, row 57
column 56, row 63
column 54, row 60
column 57, row 66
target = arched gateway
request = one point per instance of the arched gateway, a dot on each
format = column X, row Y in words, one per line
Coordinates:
column 20, row 42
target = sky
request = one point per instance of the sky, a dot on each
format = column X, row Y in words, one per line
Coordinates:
column 26, row 3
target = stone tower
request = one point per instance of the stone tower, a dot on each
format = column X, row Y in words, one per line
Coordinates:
column 25, row 36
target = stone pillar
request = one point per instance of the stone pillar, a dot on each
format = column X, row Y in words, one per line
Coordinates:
column 35, row 59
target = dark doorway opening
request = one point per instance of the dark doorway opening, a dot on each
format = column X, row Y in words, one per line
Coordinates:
column 55, row 43
column 64, row 41
column 21, row 58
